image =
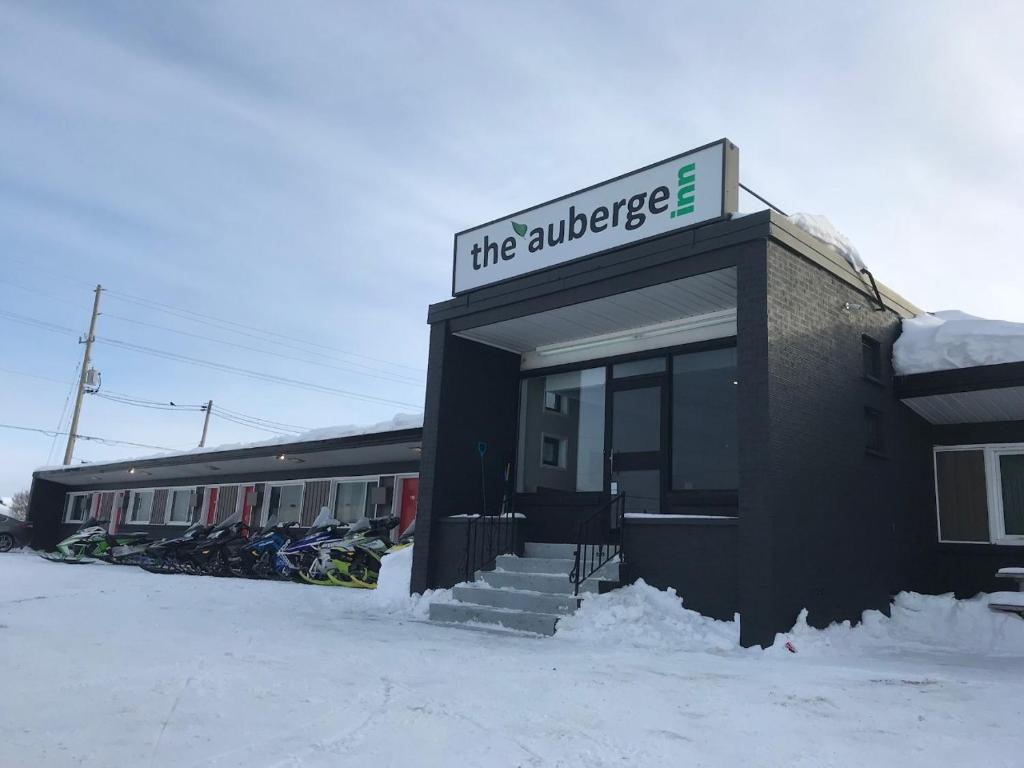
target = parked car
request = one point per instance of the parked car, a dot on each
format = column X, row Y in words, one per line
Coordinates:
column 13, row 533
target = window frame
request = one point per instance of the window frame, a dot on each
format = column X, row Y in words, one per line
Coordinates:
column 993, row 490
column 69, row 505
column 366, row 480
column 171, row 490
column 132, row 494
column 875, row 346
column 265, row 512
column 562, row 443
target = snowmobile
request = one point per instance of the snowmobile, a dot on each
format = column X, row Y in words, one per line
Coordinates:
column 296, row 558
column 92, row 542
column 355, row 560
column 258, row 558
column 208, row 555
column 162, row 556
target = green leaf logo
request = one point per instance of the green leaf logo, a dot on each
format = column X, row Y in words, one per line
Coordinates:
column 520, row 229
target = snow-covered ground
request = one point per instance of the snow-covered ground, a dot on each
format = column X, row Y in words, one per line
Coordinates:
column 112, row 666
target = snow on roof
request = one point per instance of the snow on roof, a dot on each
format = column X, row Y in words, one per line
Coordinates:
column 947, row 340
column 820, row 227
column 397, row 423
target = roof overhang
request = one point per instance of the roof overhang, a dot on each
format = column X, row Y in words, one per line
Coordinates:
column 384, row 448
column 981, row 394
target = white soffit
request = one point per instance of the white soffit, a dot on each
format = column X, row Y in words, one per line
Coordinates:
column 979, row 406
column 710, row 297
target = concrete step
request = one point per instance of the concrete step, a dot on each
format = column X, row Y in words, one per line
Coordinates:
column 549, row 583
column 553, row 565
column 534, row 564
column 563, row 551
column 532, row 602
column 522, row 621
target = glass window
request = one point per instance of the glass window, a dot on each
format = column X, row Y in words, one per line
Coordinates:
column 551, row 453
column 874, row 436
column 871, row 351
column 286, row 503
column 78, row 507
column 140, row 507
column 962, row 496
column 636, row 420
column 350, row 501
column 578, row 426
column 1011, row 481
column 638, row 367
column 179, row 506
column 704, row 455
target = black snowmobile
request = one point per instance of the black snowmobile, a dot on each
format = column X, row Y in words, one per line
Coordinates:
column 209, row 556
column 162, row 557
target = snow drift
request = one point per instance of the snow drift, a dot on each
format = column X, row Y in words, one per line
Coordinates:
column 641, row 616
column 946, row 340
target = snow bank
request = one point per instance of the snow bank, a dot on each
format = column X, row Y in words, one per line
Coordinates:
column 640, row 615
column 398, row 422
column 952, row 339
column 392, row 592
column 918, row 622
column 645, row 617
column 820, row 227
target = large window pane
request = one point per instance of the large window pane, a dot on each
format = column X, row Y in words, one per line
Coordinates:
column 1011, row 473
column 562, row 414
column 704, row 455
column 286, row 503
column 962, row 495
column 142, row 504
column 350, row 501
column 180, row 507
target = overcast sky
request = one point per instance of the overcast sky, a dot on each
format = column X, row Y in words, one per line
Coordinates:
column 301, row 167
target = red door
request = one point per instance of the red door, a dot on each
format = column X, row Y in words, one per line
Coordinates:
column 410, row 495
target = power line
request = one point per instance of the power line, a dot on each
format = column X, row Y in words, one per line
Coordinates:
column 258, row 375
column 36, row 375
column 383, row 375
column 156, row 407
column 105, row 440
column 253, row 426
column 225, row 324
column 63, row 411
column 252, row 374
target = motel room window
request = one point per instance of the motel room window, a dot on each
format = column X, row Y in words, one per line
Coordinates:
column 871, row 358
column 286, row 503
column 180, row 503
column 77, row 509
column 704, row 397
column 874, row 434
column 979, row 493
column 140, row 507
column 562, row 448
column 350, row 500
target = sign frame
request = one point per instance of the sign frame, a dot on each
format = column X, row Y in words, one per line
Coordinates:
column 729, row 204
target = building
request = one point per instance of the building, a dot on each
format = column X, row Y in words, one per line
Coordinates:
column 356, row 473
column 708, row 396
column 730, row 375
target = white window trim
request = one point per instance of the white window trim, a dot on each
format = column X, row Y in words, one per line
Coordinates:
column 993, row 489
column 265, row 512
column 69, row 505
column 131, row 505
column 171, row 490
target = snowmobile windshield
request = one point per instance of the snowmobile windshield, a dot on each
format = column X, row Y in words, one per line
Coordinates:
column 193, row 530
column 360, row 525
column 227, row 523
column 272, row 522
column 324, row 519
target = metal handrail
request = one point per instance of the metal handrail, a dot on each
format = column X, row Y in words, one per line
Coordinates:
column 487, row 537
column 598, row 544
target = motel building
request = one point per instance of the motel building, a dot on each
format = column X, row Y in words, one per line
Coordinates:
column 634, row 382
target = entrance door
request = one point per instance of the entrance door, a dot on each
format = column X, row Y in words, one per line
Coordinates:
column 410, row 496
column 636, row 440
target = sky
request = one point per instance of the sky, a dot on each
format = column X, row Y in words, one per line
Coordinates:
column 273, row 188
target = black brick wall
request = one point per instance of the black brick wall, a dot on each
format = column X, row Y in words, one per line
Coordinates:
column 842, row 518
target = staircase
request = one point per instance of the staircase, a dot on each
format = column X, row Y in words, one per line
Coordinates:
column 526, row 594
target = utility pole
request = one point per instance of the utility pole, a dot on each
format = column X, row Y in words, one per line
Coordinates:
column 206, row 424
column 82, row 379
